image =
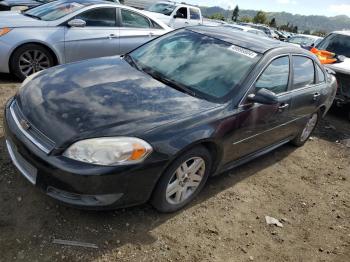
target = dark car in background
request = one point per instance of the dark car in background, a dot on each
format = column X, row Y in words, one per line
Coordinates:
column 156, row 123
column 339, row 43
column 10, row 5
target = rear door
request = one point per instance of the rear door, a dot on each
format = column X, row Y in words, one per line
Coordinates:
column 135, row 30
column 306, row 88
column 259, row 126
column 100, row 36
column 195, row 17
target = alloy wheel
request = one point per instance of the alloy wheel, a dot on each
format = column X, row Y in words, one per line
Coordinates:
column 310, row 126
column 33, row 61
column 185, row 180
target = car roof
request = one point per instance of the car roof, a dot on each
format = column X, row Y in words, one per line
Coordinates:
column 87, row 2
column 345, row 32
column 242, row 39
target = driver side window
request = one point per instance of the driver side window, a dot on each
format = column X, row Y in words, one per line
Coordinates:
column 275, row 77
column 182, row 13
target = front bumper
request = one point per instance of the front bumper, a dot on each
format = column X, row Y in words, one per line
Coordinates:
column 79, row 184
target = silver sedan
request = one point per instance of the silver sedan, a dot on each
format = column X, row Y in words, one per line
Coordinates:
column 66, row 31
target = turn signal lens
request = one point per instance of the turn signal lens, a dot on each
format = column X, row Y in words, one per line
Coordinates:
column 4, row 31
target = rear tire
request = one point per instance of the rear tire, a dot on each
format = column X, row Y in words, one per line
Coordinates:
column 307, row 131
column 29, row 59
column 183, row 180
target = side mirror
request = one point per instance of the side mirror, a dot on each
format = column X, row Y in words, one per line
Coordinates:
column 175, row 16
column 264, row 96
column 77, row 23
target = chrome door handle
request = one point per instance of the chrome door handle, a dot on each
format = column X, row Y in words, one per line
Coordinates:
column 282, row 107
column 316, row 96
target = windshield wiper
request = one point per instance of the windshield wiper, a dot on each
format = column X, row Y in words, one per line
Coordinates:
column 160, row 77
column 132, row 62
column 32, row 16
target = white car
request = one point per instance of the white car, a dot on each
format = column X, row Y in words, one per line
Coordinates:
column 246, row 29
column 339, row 43
column 176, row 15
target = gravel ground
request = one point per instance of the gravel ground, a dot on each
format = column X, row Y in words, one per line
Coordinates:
column 307, row 189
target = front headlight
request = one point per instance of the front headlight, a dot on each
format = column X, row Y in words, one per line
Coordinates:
column 109, row 151
column 4, row 31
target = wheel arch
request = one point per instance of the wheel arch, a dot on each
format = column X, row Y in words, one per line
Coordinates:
column 54, row 54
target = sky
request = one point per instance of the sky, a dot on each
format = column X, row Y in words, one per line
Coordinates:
column 303, row 7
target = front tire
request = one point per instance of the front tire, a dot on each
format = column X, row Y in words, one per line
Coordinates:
column 29, row 59
column 307, row 131
column 183, row 180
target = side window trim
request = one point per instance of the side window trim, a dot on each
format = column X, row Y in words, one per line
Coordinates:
column 317, row 76
column 95, row 8
column 132, row 11
column 289, row 75
column 256, row 78
column 315, row 73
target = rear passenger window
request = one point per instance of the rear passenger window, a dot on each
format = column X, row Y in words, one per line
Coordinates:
column 320, row 74
column 132, row 19
column 101, row 17
column 304, row 72
column 195, row 14
column 276, row 76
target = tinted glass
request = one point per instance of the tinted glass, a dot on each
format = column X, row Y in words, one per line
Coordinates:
column 132, row 19
column 339, row 44
column 182, row 13
column 321, row 77
column 162, row 8
column 209, row 67
column 304, row 72
column 104, row 17
column 195, row 14
column 276, row 76
column 55, row 10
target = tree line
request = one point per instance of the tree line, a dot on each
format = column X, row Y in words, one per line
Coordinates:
column 261, row 17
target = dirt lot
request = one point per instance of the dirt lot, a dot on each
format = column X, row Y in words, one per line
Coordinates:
column 307, row 188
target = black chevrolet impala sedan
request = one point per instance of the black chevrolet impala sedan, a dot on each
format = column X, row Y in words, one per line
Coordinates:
column 154, row 124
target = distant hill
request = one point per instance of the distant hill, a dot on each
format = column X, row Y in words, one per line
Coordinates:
column 312, row 22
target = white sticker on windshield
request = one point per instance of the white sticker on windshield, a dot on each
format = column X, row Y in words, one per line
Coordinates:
column 242, row 51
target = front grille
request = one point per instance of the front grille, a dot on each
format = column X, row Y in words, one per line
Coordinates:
column 344, row 84
column 30, row 131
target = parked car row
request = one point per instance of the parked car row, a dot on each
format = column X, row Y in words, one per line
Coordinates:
column 66, row 31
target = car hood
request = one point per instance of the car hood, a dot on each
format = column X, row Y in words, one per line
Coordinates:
column 102, row 97
column 16, row 19
column 343, row 67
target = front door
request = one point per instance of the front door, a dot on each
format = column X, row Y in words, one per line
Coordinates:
column 259, row 126
column 100, row 36
column 181, row 19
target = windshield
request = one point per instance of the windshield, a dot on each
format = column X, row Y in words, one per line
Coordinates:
column 54, row 10
column 162, row 8
column 206, row 66
column 335, row 43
